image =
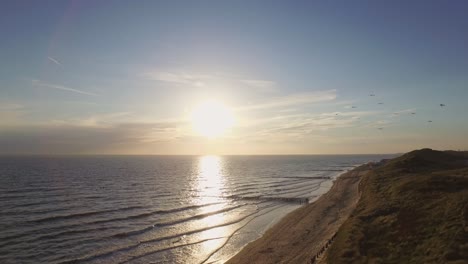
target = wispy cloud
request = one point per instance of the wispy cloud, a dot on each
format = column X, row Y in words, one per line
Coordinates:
column 11, row 113
column 300, row 126
column 40, row 83
column 200, row 80
column 73, row 138
column 96, row 120
column 292, row 100
column 8, row 106
column 293, row 130
column 402, row 112
column 54, row 61
column 264, row 85
column 177, row 78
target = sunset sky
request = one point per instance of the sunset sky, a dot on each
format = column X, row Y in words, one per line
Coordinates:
column 297, row 77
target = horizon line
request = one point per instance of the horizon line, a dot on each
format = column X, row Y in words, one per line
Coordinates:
column 276, row 154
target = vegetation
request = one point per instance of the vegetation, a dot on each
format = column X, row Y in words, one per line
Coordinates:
column 413, row 209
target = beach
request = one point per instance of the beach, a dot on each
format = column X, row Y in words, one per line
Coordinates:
column 305, row 233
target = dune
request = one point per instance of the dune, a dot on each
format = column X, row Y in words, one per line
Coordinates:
column 410, row 209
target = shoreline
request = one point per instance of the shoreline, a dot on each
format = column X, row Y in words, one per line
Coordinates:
column 302, row 234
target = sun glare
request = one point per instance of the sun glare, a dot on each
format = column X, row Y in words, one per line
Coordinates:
column 211, row 119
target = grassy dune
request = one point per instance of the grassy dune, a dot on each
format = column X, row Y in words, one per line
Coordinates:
column 413, row 209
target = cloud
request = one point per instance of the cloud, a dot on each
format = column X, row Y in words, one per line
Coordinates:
column 200, row 80
column 79, row 139
column 40, row 83
column 11, row 113
column 54, row 61
column 293, row 100
column 177, row 78
column 101, row 120
column 298, row 126
column 8, row 106
column 404, row 112
column 263, row 85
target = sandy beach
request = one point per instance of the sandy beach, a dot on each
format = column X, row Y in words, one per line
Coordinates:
column 303, row 234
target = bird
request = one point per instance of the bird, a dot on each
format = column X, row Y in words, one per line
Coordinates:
column 380, row 128
column 371, row 94
column 353, row 106
column 413, row 113
column 430, row 121
column 442, row 105
column 381, row 103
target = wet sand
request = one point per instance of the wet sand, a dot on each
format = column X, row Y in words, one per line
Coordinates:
column 305, row 232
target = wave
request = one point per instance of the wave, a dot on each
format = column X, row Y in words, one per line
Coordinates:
column 235, row 231
column 169, row 248
column 299, row 200
column 131, row 217
column 159, row 239
column 266, row 185
column 178, row 221
column 84, row 214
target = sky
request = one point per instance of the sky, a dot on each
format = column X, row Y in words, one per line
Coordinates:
column 301, row 77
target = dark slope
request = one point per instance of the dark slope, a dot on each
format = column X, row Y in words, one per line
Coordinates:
column 413, row 209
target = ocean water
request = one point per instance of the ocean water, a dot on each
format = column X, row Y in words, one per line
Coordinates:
column 151, row 209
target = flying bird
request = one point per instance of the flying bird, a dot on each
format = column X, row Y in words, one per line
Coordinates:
column 381, row 103
column 371, row 94
column 353, row 106
column 413, row 113
column 442, row 105
column 430, row 121
column 380, row 128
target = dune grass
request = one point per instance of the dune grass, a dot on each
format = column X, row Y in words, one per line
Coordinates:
column 413, row 209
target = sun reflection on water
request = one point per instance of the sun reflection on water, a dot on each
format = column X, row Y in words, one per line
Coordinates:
column 210, row 179
column 210, row 186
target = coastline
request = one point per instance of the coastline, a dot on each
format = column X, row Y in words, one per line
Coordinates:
column 302, row 234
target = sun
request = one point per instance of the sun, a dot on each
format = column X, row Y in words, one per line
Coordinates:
column 211, row 119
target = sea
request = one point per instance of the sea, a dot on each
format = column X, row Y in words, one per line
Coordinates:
column 152, row 209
